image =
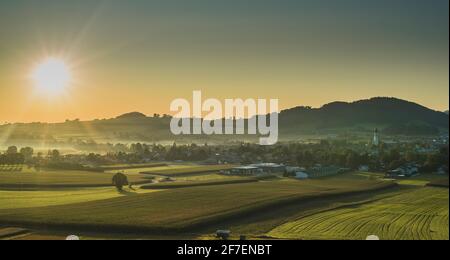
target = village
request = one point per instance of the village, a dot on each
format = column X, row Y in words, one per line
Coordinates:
column 302, row 161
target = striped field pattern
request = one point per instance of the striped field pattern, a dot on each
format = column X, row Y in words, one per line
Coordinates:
column 420, row 214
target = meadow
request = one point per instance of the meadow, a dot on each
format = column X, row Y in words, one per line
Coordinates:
column 116, row 167
column 417, row 214
column 202, row 179
column 12, row 199
column 198, row 200
column 182, row 209
column 186, row 170
column 29, row 178
column 186, row 184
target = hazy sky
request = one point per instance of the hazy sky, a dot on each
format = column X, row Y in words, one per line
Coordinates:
column 139, row 55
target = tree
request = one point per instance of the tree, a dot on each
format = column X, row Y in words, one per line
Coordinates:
column 27, row 153
column 11, row 150
column 54, row 155
column 432, row 163
column 137, row 148
column 119, row 180
column 352, row 160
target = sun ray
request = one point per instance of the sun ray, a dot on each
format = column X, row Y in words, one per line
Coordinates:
column 51, row 77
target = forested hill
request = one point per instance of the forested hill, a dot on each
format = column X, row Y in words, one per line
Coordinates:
column 390, row 115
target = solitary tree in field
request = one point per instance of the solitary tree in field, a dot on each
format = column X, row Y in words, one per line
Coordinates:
column 119, row 180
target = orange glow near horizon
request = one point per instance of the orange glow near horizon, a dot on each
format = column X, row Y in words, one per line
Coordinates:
column 92, row 60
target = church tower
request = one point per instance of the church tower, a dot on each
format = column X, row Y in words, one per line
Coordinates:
column 376, row 138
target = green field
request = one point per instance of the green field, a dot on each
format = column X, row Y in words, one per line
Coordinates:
column 198, row 201
column 182, row 209
column 185, row 184
column 418, row 214
column 197, row 180
column 116, row 167
column 60, row 178
column 422, row 180
column 206, row 177
column 30, row 178
column 186, row 170
column 32, row 199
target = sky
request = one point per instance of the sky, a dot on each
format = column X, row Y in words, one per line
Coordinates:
column 139, row 55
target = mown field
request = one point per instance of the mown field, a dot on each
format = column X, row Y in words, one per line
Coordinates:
column 35, row 198
column 186, row 170
column 186, row 184
column 199, row 201
column 30, row 178
column 60, row 178
column 417, row 214
column 197, row 180
column 116, row 167
column 182, row 209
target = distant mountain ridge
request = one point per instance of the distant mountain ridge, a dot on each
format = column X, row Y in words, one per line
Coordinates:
column 389, row 115
column 375, row 111
column 132, row 115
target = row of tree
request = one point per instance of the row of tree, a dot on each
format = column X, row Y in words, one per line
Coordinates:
column 14, row 156
column 348, row 155
column 26, row 156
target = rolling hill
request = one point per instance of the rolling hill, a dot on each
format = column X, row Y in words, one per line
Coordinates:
column 380, row 112
column 391, row 115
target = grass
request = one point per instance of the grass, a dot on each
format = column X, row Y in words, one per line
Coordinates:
column 421, row 180
column 178, row 185
column 183, row 209
column 420, row 214
column 442, row 183
column 206, row 177
column 186, row 170
column 60, row 178
column 116, row 167
column 199, row 180
column 11, row 232
column 32, row 199
column 137, row 170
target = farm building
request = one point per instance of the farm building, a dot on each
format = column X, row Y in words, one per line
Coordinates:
column 245, row 170
column 404, row 171
column 270, row 167
column 253, row 169
column 294, row 169
column 301, row 175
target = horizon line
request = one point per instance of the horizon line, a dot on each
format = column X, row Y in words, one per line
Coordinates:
column 150, row 115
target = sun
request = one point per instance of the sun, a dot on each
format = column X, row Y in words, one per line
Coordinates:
column 51, row 76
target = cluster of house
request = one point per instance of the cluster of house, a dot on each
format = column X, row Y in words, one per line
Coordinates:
column 272, row 168
column 407, row 170
column 257, row 169
column 411, row 170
